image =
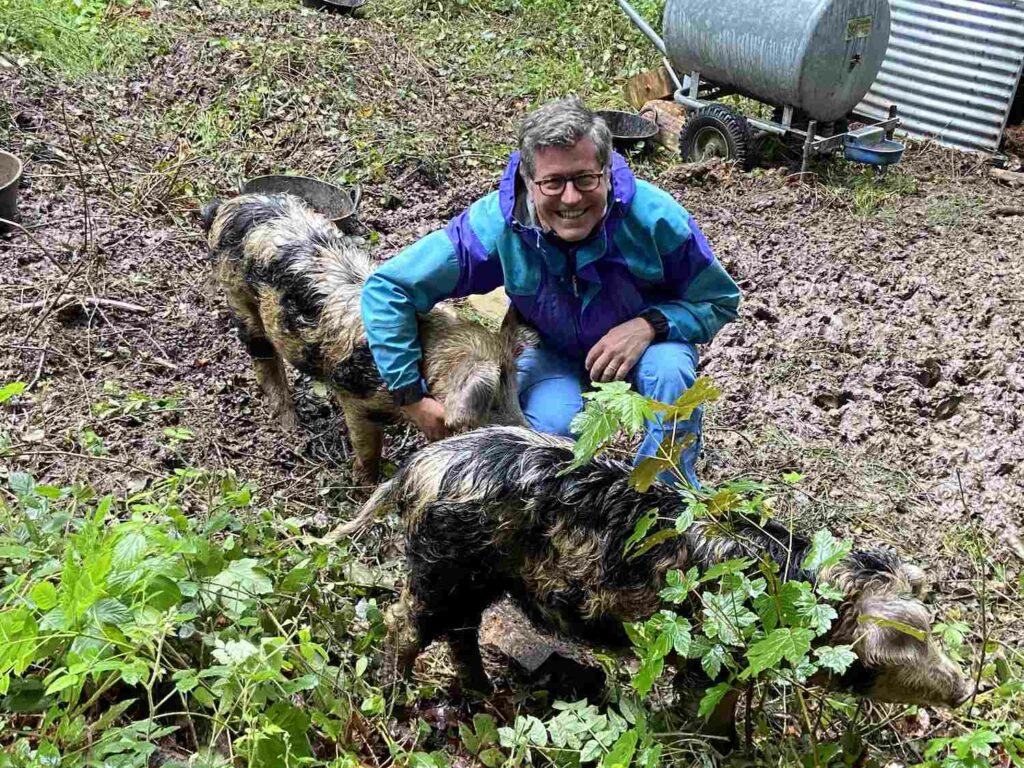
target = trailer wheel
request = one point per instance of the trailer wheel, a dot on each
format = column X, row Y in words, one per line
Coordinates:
column 717, row 131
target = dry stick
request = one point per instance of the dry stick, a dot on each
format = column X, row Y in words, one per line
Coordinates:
column 109, row 459
column 81, row 177
column 99, row 151
column 95, row 301
column 984, row 605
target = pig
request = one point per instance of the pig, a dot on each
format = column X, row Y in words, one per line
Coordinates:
column 487, row 513
column 293, row 283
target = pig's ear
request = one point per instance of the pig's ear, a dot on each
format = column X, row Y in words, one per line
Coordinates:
column 891, row 631
column 916, row 578
column 469, row 402
column 516, row 335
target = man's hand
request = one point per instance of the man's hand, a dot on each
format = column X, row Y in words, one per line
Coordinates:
column 614, row 356
column 428, row 415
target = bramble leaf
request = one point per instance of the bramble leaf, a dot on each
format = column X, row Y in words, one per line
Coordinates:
column 790, row 643
column 837, row 658
column 826, row 550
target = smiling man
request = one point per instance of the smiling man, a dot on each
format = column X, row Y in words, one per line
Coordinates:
column 611, row 271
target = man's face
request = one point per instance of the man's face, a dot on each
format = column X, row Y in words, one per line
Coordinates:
column 571, row 214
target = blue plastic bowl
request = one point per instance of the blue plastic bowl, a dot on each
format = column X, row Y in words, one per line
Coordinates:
column 885, row 152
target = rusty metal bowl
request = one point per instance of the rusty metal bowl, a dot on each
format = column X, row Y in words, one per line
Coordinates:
column 326, row 199
column 10, row 178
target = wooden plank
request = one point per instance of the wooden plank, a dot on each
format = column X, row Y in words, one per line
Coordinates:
column 654, row 84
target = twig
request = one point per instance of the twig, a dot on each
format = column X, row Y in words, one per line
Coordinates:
column 32, row 237
column 39, row 369
column 109, row 459
column 95, row 301
column 81, row 177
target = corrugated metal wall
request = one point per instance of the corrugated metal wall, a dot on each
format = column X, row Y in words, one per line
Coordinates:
column 951, row 68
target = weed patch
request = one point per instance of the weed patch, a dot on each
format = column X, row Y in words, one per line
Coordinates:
column 75, row 37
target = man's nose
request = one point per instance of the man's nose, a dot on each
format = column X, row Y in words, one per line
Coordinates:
column 571, row 195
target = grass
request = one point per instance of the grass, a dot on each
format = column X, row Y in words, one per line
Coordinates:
column 868, row 193
column 74, row 38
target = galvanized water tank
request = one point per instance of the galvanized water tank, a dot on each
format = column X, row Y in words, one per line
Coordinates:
column 820, row 56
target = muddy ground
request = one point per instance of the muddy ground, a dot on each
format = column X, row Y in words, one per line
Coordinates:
column 878, row 350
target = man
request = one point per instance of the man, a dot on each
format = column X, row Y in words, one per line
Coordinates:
column 611, row 271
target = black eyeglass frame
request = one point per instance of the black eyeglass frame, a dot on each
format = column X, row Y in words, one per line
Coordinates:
column 597, row 176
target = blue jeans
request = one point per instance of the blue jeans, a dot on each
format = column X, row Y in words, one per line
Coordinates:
column 551, row 391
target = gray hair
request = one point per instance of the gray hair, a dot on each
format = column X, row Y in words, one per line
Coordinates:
column 562, row 124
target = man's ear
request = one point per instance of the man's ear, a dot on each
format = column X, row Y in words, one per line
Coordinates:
column 468, row 405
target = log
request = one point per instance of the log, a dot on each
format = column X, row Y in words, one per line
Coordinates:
column 653, row 84
column 1013, row 178
column 670, row 119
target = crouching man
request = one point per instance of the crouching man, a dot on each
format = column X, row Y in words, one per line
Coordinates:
column 611, row 271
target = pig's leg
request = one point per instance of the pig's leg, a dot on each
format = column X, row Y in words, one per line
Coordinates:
column 690, row 683
column 451, row 554
column 367, row 439
column 269, row 367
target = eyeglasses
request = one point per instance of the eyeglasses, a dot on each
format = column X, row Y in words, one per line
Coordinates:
column 584, row 182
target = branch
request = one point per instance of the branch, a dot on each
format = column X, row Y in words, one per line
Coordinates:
column 94, row 301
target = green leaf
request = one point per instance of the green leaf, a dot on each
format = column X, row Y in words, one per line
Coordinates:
column 240, row 581
column 622, row 751
column 492, row 758
column 591, row 751
column 712, row 661
column 652, row 541
column 21, row 484
column 726, row 568
column 702, row 391
column 712, row 697
column 44, row 595
column 129, row 550
column 10, row 390
column 790, row 643
column 792, row 477
column 536, row 731
column 162, row 593
column 630, row 408
column 111, row 611
column 679, row 586
column 899, row 626
column 643, row 524
column 469, row 739
column 650, row 670
column 685, row 519
column 594, row 427
column 486, row 729
column 836, row 658
column 667, row 457
column 726, row 617
column 977, row 743
column 826, row 550
column 62, row 682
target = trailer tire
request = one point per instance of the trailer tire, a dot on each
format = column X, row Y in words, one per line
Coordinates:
column 717, row 131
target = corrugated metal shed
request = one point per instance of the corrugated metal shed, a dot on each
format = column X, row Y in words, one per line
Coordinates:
column 951, row 67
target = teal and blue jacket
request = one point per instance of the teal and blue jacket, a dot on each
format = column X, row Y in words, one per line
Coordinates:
column 648, row 258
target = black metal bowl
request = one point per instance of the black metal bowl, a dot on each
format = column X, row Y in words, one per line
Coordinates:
column 326, row 199
column 626, row 127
